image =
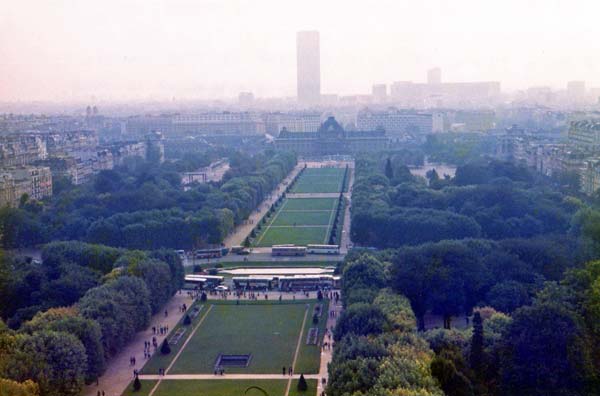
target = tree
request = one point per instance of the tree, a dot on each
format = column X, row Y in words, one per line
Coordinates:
column 13, row 388
column 508, row 296
column 389, row 171
column 547, row 352
column 187, row 320
column 320, row 295
column 452, row 381
column 165, row 349
column 360, row 319
column 477, row 343
column 315, row 319
column 137, row 384
column 86, row 330
column 302, row 385
column 56, row 361
column 203, row 297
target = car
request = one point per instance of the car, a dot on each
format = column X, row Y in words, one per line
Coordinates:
column 221, row 288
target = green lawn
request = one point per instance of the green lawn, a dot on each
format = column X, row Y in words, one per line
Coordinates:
column 304, row 217
column 311, row 391
column 309, row 204
column 320, row 180
column 222, row 387
column 295, row 235
column 267, row 331
column 299, row 221
column 147, row 386
column 309, row 356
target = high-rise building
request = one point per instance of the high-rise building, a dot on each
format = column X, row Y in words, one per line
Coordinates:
column 379, row 92
column 308, row 67
column 576, row 90
column 246, row 98
column 434, row 76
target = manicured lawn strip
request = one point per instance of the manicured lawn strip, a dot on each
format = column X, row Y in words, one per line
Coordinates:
column 311, row 391
column 320, row 180
column 309, row 356
column 308, row 203
column 287, row 218
column 147, row 386
column 158, row 360
column 220, row 387
column 269, row 332
column 294, row 235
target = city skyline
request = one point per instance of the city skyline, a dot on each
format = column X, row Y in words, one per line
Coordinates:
column 217, row 49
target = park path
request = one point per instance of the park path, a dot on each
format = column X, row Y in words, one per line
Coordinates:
column 326, row 354
column 236, row 238
column 119, row 372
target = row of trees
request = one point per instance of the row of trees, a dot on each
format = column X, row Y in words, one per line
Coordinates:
column 69, row 269
column 63, row 348
column 377, row 349
column 142, row 205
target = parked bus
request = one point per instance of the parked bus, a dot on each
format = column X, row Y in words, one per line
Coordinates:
column 254, row 282
column 280, row 250
column 323, row 249
column 308, row 282
column 211, row 253
column 203, row 281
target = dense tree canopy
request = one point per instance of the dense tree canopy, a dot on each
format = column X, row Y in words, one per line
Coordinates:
column 142, row 205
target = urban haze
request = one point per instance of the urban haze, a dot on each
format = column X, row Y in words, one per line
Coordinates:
column 299, row 198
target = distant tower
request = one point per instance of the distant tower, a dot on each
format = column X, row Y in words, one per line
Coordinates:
column 379, row 93
column 308, row 57
column 576, row 91
column 246, row 98
column 434, row 76
column 88, row 111
column 95, row 110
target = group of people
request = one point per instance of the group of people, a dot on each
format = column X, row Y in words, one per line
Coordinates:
column 132, row 360
column 327, row 345
column 183, row 308
column 219, row 371
column 161, row 371
column 162, row 330
column 290, row 370
column 147, row 346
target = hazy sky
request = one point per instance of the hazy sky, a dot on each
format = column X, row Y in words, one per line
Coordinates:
column 120, row 49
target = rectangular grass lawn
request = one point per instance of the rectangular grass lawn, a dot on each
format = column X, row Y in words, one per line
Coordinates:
column 304, row 217
column 295, row 235
column 299, row 221
column 267, row 331
column 309, row 204
column 224, row 387
column 320, row 180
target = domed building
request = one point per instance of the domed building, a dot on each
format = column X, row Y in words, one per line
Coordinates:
column 331, row 139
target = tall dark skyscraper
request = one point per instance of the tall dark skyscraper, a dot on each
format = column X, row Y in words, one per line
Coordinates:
column 308, row 56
